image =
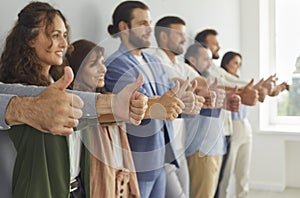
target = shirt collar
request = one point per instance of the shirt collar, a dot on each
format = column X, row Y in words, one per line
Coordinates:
column 162, row 54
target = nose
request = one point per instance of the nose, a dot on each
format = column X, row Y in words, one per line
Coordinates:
column 102, row 68
column 149, row 29
column 63, row 42
column 183, row 39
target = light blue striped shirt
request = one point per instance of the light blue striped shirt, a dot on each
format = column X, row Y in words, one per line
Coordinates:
column 206, row 134
column 242, row 114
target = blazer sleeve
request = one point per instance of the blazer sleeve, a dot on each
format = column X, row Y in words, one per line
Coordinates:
column 119, row 74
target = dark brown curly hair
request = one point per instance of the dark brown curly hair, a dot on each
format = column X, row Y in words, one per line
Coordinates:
column 19, row 62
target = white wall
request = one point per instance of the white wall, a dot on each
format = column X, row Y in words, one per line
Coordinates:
column 237, row 21
column 275, row 150
column 89, row 19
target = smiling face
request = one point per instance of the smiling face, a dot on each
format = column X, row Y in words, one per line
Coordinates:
column 201, row 61
column 93, row 72
column 50, row 44
column 176, row 38
column 234, row 65
column 140, row 30
column 213, row 44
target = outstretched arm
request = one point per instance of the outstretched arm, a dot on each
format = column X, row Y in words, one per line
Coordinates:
column 53, row 111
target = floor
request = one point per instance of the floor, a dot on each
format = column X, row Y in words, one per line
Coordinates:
column 288, row 193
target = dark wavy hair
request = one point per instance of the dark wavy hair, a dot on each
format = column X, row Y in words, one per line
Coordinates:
column 228, row 56
column 79, row 54
column 123, row 12
column 19, row 62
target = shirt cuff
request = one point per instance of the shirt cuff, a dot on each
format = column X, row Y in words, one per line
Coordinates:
column 4, row 103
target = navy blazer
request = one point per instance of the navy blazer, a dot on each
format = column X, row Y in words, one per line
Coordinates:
column 150, row 142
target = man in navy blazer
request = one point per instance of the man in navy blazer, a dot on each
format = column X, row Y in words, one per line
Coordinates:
column 151, row 142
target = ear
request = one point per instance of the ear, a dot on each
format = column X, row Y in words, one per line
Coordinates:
column 163, row 36
column 192, row 60
column 31, row 43
column 123, row 26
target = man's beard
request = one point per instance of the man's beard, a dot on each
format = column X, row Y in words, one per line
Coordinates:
column 177, row 50
column 205, row 74
column 215, row 56
column 137, row 42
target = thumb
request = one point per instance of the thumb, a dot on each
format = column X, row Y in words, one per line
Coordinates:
column 194, row 85
column 208, row 82
column 175, row 89
column 259, row 84
column 65, row 80
column 214, row 84
column 271, row 78
column 250, row 84
column 234, row 90
column 134, row 86
column 183, row 87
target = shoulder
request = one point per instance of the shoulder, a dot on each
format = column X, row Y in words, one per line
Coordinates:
column 151, row 57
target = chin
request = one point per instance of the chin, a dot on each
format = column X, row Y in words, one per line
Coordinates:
column 100, row 84
column 58, row 63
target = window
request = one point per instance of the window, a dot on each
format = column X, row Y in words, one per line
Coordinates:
column 288, row 54
column 285, row 109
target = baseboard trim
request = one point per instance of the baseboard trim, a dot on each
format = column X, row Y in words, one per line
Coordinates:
column 267, row 186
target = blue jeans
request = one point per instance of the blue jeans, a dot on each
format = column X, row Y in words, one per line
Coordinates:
column 154, row 188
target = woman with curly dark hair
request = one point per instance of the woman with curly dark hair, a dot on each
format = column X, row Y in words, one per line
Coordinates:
column 46, row 165
column 20, row 60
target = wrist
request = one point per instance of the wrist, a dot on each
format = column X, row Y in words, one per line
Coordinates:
column 104, row 104
column 150, row 103
column 17, row 110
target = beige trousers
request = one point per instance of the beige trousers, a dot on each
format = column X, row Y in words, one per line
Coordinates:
column 204, row 174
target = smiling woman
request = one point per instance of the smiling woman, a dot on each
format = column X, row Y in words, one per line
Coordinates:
column 45, row 163
column 112, row 172
column 37, row 41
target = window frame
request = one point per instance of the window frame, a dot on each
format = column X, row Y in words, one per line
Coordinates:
column 269, row 120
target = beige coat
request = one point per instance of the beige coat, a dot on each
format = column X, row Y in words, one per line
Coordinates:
column 108, row 179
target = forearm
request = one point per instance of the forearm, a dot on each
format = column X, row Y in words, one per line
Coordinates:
column 90, row 99
column 19, row 110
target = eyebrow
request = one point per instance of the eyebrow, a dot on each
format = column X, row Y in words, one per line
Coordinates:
column 59, row 31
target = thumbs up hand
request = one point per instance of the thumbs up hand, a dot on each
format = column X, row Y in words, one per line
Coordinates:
column 129, row 105
column 232, row 101
column 269, row 84
column 192, row 102
column 53, row 111
column 220, row 93
column 262, row 91
column 165, row 107
column 249, row 96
